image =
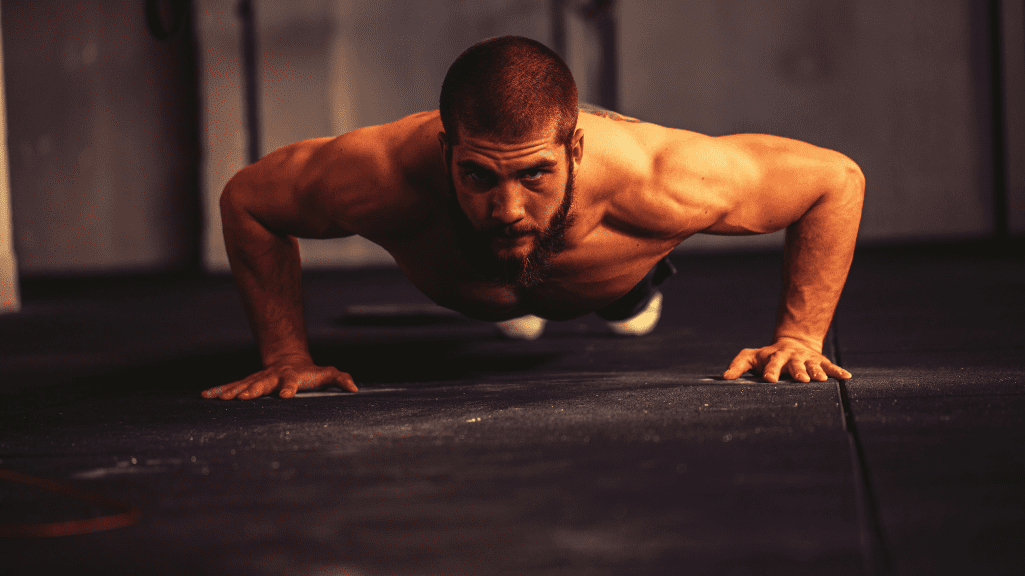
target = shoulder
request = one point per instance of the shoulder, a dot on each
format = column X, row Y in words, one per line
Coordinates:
column 355, row 183
column 375, row 156
column 381, row 179
column 655, row 180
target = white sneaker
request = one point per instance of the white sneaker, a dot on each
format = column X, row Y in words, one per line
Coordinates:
column 643, row 323
column 527, row 327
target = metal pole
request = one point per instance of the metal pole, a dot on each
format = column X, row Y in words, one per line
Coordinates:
column 994, row 33
column 604, row 15
column 249, row 71
column 558, row 14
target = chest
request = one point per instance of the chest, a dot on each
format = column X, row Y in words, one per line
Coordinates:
column 590, row 275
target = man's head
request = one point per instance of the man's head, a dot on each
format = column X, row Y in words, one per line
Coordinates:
column 509, row 109
column 508, row 89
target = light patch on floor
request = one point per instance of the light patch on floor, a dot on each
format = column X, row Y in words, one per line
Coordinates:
column 131, row 466
column 323, row 393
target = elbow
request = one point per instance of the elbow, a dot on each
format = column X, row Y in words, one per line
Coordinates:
column 232, row 200
column 231, row 209
column 235, row 202
column 851, row 185
column 229, row 196
column 855, row 178
column 227, row 200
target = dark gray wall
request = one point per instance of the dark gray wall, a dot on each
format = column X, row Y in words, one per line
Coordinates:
column 102, row 138
column 900, row 86
column 102, row 124
column 329, row 66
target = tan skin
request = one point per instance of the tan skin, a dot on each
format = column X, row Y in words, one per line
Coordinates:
column 640, row 190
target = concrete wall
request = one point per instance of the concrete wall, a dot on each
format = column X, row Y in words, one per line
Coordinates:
column 327, row 67
column 103, row 146
column 104, row 162
column 900, row 86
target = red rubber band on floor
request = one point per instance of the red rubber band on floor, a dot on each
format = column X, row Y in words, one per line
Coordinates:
column 129, row 514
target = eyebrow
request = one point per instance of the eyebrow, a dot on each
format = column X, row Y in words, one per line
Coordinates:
column 540, row 164
column 471, row 165
column 546, row 163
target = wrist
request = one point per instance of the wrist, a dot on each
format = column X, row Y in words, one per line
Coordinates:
column 806, row 341
column 287, row 358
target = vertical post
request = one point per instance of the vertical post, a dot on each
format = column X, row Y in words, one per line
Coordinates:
column 9, row 298
column 604, row 14
column 1000, row 173
column 249, row 72
column 1011, row 30
column 558, row 15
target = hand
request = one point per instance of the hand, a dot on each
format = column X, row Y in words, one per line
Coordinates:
column 801, row 361
column 287, row 376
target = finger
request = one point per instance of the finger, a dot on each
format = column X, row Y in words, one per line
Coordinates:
column 218, row 390
column 815, row 371
column 289, row 386
column 231, row 393
column 259, row 387
column 797, row 370
column 742, row 363
column 771, row 371
column 345, row 382
column 836, row 371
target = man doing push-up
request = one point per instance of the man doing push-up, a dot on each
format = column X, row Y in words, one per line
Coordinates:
column 513, row 205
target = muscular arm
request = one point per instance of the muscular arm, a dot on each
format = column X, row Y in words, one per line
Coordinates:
column 264, row 208
column 817, row 256
column 762, row 184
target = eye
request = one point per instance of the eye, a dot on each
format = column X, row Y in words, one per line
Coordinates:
column 533, row 174
column 478, row 176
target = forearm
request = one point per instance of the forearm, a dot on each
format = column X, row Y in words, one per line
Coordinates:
column 268, row 273
column 817, row 257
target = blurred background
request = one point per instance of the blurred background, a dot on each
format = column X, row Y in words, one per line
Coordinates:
column 124, row 118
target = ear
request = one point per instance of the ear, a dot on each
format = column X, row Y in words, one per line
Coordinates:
column 446, row 149
column 577, row 150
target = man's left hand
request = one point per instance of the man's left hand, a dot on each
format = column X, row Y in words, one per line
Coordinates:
column 786, row 355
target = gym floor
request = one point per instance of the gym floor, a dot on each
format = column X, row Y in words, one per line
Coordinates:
column 578, row 453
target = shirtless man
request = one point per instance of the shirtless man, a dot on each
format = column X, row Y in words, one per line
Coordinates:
column 510, row 204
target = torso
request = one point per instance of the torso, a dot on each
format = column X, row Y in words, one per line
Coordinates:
column 583, row 279
column 604, row 260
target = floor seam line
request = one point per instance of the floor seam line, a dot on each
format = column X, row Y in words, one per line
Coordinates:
column 873, row 539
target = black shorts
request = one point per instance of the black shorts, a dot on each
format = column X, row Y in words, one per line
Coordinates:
column 634, row 301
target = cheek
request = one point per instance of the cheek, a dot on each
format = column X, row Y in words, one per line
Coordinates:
column 541, row 207
column 554, row 196
column 473, row 205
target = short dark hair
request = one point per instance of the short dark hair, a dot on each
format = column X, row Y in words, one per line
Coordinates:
column 509, row 88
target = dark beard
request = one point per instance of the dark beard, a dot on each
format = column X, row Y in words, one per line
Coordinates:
column 526, row 272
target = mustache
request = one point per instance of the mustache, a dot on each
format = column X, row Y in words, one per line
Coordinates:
column 507, row 232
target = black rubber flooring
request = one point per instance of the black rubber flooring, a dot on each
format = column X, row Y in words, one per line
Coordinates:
column 578, row 453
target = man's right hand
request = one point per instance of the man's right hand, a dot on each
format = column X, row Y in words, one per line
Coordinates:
column 286, row 376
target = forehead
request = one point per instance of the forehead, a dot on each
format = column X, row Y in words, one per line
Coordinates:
column 495, row 152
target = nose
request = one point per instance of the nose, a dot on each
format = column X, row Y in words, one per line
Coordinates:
column 507, row 205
